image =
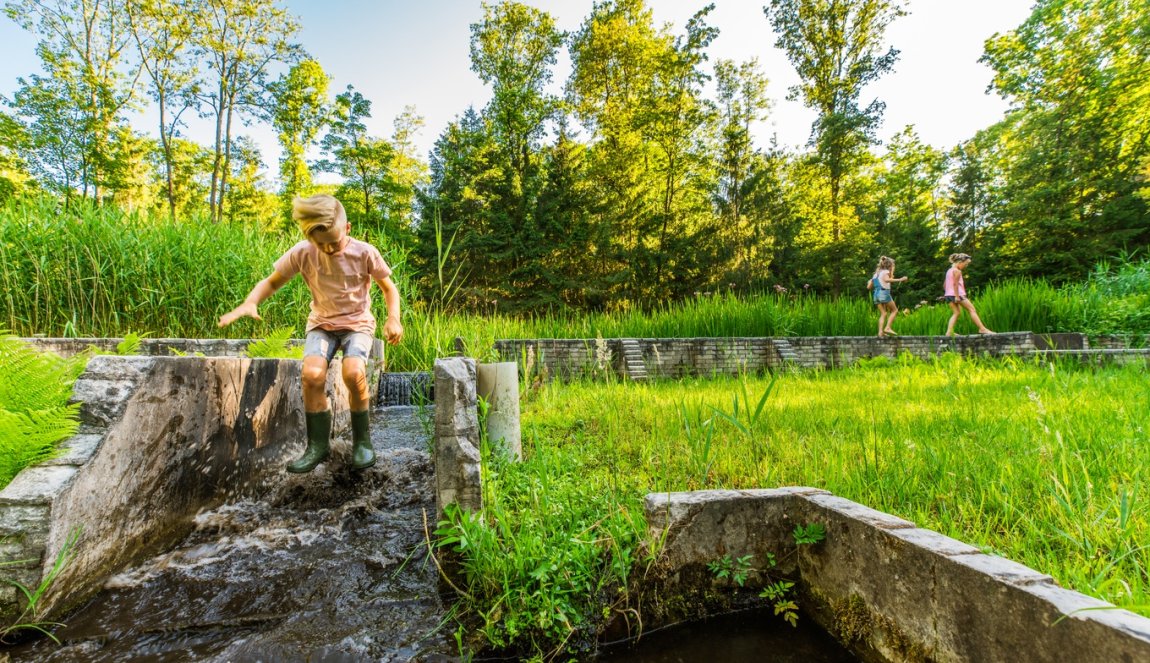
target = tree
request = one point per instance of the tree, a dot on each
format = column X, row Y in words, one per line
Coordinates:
column 1077, row 74
column 408, row 171
column 911, row 210
column 81, row 48
column 836, row 48
column 14, row 174
column 162, row 31
column 55, row 136
column 363, row 161
column 513, row 49
column 299, row 112
column 250, row 200
column 239, row 40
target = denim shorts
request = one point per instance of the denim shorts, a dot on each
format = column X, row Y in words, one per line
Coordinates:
column 950, row 298
column 324, row 343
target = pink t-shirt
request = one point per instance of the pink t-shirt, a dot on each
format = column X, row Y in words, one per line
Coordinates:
column 340, row 284
column 948, row 285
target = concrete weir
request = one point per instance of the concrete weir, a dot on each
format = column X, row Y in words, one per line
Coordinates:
column 160, row 439
column 887, row 589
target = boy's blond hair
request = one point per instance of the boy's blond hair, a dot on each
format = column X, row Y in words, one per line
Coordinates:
column 320, row 212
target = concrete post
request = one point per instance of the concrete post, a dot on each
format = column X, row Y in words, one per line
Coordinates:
column 498, row 384
column 458, row 471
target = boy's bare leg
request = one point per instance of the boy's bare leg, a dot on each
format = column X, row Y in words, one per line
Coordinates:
column 355, row 377
column 358, row 395
column 317, row 415
column 315, row 384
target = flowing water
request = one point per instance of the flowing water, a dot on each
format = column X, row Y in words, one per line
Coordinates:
column 331, row 566
column 753, row 636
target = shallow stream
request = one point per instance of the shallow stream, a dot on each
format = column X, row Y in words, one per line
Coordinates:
column 331, row 566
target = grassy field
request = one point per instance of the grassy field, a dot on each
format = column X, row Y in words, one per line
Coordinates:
column 1044, row 464
column 106, row 274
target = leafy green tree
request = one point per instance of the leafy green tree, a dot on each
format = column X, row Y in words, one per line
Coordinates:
column 408, row 171
column 55, row 136
column 238, row 40
column 162, row 32
column 742, row 101
column 836, row 47
column 974, row 193
column 466, row 175
column 191, row 168
column 131, row 177
column 363, row 161
column 299, row 112
column 911, row 206
column 513, row 49
column 250, row 199
column 15, row 177
column 76, row 111
column 1077, row 73
column 638, row 90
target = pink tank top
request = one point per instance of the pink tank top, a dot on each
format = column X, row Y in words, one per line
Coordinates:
column 950, row 281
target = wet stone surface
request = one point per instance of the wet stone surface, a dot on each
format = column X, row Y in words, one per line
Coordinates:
column 330, row 566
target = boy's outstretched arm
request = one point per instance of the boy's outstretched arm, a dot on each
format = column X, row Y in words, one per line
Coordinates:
column 392, row 328
column 264, row 289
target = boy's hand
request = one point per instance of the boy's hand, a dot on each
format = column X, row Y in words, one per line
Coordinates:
column 240, row 311
column 393, row 331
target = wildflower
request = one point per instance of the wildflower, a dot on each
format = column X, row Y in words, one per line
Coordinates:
column 779, row 289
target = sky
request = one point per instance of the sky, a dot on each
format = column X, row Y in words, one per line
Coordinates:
column 402, row 52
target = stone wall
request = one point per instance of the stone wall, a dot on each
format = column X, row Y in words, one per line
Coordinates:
column 680, row 357
column 887, row 589
column 160, row 439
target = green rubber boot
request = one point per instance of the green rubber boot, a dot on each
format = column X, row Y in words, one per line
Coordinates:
column 362, row 453
column 318, row 444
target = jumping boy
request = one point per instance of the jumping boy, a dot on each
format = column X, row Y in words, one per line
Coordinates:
column 338, row 270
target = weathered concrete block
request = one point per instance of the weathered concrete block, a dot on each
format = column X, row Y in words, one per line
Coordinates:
column 37, row 485
column 76, row 450
column 18, row 519
column 457, row 459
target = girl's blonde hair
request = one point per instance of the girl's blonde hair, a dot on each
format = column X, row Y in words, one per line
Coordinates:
column 320, row 212
column 884, row 262
column 958, row 257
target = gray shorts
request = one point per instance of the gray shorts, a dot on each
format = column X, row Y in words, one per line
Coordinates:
column 324, row 343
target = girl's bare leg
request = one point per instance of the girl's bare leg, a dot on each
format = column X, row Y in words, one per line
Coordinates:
column 892, row 311
column 881, row 318
column 974, row 317
column 955, row 309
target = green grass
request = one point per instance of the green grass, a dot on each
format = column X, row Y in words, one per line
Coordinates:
column 1048, row 465
column 99, row 272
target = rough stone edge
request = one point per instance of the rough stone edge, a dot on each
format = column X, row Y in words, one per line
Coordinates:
column 980, row 587
column 458, row 471
column 103, row 391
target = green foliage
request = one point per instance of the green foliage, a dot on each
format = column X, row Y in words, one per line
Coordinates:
column 29, row 616
column 734, row 569
column 810, row 533
column 275, row 346
column 1076, row 74
column 1043, row 463
column 34, row 411
column 547, row 547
